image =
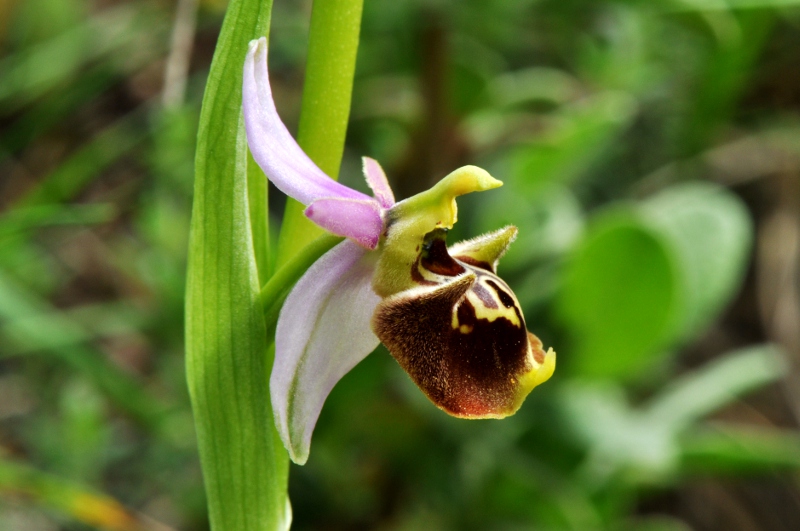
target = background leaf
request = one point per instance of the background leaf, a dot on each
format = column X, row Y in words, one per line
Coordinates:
column 620, row 293
column 709, row 229
column 706, row 390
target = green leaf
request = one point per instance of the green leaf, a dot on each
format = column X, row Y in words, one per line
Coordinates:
column 726, row 5
column 580, row 134
column 28, row 323
column 619, row 437
column 257, row 196
column 244, row 464
column 717, row 384
column 621, row 290
column 648, row 276
column 549, row 222
column 644, row 442
column 725, row 448
column 710, row 231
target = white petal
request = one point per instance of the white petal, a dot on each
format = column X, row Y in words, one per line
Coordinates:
column 323, row 332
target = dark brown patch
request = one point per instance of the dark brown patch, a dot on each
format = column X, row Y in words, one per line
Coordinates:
column 437, row 260
column 417, row 277
column 469, row 375
column 505, row 298
column 476, row 263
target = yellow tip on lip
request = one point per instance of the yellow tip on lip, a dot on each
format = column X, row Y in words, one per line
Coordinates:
column 525, row 384
column 539, row 375
column 548, row 367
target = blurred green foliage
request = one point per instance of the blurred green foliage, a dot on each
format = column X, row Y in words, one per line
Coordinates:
column 650, row 156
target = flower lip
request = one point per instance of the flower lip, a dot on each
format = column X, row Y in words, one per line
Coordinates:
column 459, row 333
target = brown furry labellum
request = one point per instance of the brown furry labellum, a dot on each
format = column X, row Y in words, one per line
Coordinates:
column 460, row 333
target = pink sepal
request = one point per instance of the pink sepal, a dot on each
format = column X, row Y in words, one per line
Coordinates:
column 323, row 331
column 359, row 220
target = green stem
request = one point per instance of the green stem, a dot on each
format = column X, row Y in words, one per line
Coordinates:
column 328, row 88
column 257, row 198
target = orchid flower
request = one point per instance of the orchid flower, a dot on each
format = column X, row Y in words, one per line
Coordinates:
column 443, row 313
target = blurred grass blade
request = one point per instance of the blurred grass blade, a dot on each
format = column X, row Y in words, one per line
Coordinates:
column 534, row 84
column 26, row 75
column 722, row 78
column 724, row 5
column 84, row 165
column 79, row 503
column 25, row 219
column 582, row 134
column 48, row 328
column 724, row 448
column 47, row 113
column 245, row 467
column 722, row 381
column 30, row 324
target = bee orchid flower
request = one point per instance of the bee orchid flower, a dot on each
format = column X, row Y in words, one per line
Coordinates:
column 443, row 313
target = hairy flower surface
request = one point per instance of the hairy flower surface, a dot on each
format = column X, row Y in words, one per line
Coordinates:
column 450, row 322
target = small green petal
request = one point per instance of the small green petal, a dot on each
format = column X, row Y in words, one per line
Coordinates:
column 485, row 250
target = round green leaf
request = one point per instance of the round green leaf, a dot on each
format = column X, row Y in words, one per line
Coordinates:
column 710, row 232
column 621, row 290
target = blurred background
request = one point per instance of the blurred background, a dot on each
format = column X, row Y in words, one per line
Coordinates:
column 651, row 157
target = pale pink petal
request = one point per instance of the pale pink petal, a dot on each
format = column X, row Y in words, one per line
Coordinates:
column 273, row 147
column 355, row 219
column 323, row 332
column 377, row 181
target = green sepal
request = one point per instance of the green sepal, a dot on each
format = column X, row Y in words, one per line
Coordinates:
column 485, row 250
